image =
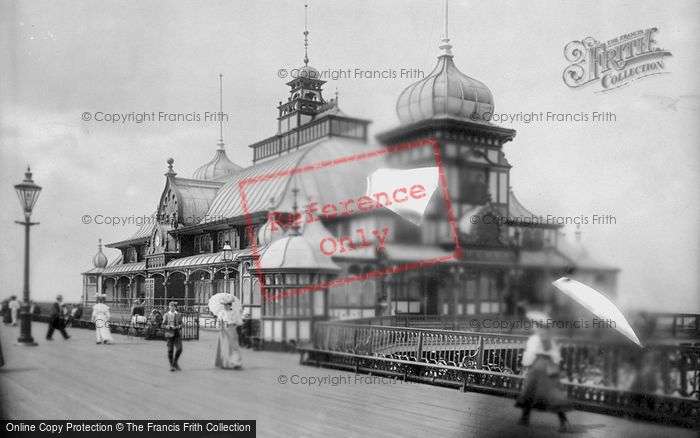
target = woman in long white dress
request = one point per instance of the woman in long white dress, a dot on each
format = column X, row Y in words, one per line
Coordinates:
column 228, row 352
column 100, row 316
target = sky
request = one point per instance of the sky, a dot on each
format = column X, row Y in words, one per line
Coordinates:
column 61, row 59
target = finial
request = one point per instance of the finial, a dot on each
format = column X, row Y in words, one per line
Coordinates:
column 221, row 111
column 447, row 6
column 306, row 36
column 445, row 46
column 578, row 233
column 170, row 171
column 336, row 95
column 28, row 174
column 99, row 244
column 295, row 208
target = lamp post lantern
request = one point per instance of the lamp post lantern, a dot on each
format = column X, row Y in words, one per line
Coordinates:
column 226, row 256
column 28, row 192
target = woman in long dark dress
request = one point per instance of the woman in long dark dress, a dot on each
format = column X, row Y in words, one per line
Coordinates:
column 541, row 388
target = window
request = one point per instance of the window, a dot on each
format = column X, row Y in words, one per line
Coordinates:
column 503, row 188
column 202, row 243
column 474, row 186
column 230, row 236
column 452, row 176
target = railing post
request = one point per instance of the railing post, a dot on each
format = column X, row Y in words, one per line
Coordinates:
column 480, row 353
column 420, row 346
column 354, row 339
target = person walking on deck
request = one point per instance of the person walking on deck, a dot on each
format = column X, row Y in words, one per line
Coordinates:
column 172, row 323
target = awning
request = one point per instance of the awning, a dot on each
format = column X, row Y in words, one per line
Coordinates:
column 126, row 268
column 196, row 260
column 416, row 253
column 206, row 259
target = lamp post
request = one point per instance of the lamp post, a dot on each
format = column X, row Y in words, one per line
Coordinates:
column 226, row 256
column 28, row 192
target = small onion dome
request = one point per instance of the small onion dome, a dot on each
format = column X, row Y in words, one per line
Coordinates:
column 217, row 167
column 295, row 253
column 99, row 260
column 308, row 72
column 267, row 235
column 445, row 92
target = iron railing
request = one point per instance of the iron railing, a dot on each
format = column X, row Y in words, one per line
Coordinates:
column 660, row 381
column 121, row 321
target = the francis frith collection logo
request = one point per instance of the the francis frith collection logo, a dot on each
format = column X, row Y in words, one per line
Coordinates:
column 614, row 63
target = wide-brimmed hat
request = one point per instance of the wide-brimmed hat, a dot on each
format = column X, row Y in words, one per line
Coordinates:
column 172, row 303
column 227, row 299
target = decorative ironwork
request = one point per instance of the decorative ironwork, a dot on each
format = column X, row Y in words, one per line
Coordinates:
column 660, row 382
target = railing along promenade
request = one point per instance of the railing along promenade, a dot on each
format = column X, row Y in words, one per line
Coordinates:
column 679, row 326
column 121, row 320
column 660, row 382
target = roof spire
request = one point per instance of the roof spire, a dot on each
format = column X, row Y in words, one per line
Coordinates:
column 306, row 36
column 221, row 111
column 295, row 208
column 447, row 21
column 578, row 233
column 445, row 46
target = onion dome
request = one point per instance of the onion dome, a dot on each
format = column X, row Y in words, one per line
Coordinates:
column 268, row 234
column 217, row 167
column 445, row 92
column 308, row 72
column 295, row 253
column 99, row 260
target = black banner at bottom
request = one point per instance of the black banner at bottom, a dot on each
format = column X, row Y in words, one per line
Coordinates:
column 128, row 428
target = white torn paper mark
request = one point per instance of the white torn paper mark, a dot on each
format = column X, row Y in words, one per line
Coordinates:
column 408, row 191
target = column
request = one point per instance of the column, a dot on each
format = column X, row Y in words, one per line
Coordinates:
column 166, row 279
column 187, row 288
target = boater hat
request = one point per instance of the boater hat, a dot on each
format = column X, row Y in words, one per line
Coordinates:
column 172, row 303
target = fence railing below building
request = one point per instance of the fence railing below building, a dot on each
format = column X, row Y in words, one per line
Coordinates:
column 680, row 326
column 661, row 382
column 122, row 321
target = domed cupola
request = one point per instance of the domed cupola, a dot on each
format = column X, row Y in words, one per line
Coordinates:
column 445, row 93
column 269, row 233
column 99, row 260
column 217, row 167
column 220, row 165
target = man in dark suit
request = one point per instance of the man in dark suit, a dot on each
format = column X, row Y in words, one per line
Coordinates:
column 57, row 322
column 172, row 323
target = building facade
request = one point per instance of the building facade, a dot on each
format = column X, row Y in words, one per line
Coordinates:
column 506, row 260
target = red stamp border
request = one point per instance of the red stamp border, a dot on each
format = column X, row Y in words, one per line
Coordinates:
column 369, row 275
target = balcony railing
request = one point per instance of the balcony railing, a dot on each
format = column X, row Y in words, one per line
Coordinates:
column 661, row 382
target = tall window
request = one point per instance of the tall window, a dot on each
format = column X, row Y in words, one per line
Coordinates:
column 474, row 184
column 230, row 236
column 202, row 243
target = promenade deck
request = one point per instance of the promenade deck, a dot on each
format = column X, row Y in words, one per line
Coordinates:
column 77, row 379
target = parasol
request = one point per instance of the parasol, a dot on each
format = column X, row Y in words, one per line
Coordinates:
column 216, row 302
column 538, row 317
column 597, row 303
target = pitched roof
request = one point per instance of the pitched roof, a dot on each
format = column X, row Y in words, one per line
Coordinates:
column 348, row 162
column 142, row 234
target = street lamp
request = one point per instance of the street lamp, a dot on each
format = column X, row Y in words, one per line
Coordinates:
column 226, row 256
column 28, row 192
